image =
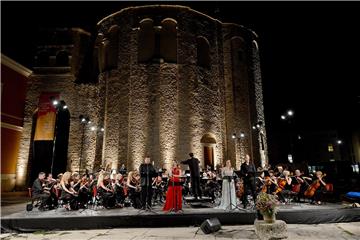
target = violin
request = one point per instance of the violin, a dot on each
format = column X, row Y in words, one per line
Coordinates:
column 309, row 193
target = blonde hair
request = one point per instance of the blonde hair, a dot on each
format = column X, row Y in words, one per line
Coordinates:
column 286, row 172
column 101, row 178
column 65, row 179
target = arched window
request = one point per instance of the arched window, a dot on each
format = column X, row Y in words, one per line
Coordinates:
column 146, row 42
column 43, row 59
column 101, row 51
column 237, row 49
column 168, row 40
column 62, row 59
column 203, row 52
column 112, row 47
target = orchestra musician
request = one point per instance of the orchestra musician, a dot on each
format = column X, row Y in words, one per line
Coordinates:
column 300, row 184
column 39, row 191
column 316, row 189
column 68, row 194
column 147, row 172
column 105, row 190
column 158, row 186
column 134, row 188
column 119, row 186
column 248, row 171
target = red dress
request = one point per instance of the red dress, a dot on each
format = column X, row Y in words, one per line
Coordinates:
column 174, row 193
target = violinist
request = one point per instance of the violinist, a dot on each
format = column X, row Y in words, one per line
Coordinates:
column 133, row 184
column 158, row 186
column 119, row 190
column 68, row 194
column 279, row 172
column 284, row 186
column 83, row 190
column 39, row 191
column 105, row 190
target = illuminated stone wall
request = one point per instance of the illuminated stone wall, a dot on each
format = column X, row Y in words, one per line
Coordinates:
column 167, row 107
column 172, row 81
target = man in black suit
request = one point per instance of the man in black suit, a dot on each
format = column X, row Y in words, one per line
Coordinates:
column 248, row 172
column 195, row 174
column 147, row 172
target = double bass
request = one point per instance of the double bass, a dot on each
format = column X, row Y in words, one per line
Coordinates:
column 309, row 193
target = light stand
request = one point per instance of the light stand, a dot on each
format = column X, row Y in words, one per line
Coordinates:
column 57, row 106
column 54, row 141
column 83, row 121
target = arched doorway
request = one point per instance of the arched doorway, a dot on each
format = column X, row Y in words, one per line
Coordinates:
column 208, row 142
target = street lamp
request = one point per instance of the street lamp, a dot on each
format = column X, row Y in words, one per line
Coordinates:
column 287, row 117
column 58, row 105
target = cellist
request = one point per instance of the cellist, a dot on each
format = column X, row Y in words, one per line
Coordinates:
column 317, row 188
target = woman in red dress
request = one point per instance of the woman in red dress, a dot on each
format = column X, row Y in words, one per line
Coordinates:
column 174, row 193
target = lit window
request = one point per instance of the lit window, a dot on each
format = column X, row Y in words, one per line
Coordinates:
column 330, row 148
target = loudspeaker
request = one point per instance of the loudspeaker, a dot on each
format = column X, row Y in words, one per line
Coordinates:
column 210, row 225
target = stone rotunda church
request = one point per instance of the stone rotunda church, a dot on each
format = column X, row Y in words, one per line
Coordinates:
column 155, row 80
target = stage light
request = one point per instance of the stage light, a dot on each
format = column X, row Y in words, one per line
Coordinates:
column 83, row 120
column 339, row 142
column 299, row 137
column 234, row 136
column 55, row 102
column 254, row 127
column 102, row 129
column 89, row 122
column 93, row 128
column 290, row 113
column 283, row 117
column 65, row 107
column 242, row 135
column 258, row 125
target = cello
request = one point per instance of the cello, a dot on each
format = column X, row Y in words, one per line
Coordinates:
column 309, row 193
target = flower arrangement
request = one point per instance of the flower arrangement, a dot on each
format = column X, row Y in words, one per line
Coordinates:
column 267, row 204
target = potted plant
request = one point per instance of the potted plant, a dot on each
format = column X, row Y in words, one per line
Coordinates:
column 267, row 204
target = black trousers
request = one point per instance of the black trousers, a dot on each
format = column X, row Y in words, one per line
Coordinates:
column 249, row 185
column 195, row 185
column 146, row 195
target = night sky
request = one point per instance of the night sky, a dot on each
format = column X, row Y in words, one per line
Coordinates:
column 310, row 51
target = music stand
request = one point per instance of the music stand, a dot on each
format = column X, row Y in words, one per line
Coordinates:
column 229, row 207
column 174, row 209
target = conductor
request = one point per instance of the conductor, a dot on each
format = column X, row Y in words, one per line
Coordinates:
column 195, row 174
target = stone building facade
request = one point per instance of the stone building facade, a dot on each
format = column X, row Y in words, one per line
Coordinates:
column 170, row 81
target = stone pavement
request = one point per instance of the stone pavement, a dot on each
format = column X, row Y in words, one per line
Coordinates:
column 347, row 231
